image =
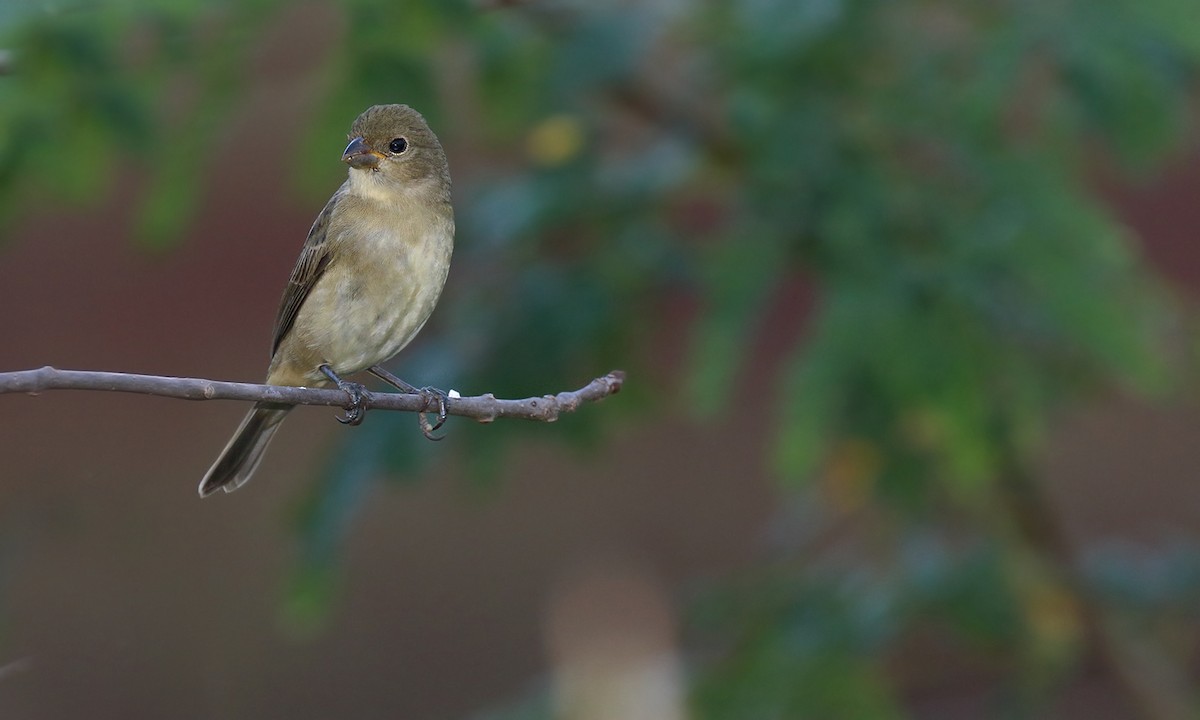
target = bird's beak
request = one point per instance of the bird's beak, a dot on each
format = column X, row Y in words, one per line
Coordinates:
column 358, row 155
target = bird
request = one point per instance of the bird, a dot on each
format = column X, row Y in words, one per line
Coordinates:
column 367, row 279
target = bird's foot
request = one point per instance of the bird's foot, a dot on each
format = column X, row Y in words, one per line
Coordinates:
column 430, row 395
column 433, row 398
column 356, row 409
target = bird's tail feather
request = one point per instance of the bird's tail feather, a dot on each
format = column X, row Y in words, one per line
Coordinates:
column 241, row 456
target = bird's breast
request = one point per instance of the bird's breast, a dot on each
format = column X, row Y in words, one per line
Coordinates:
column 377, row 292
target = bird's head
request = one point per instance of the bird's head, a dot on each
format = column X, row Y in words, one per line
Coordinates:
column 394, row 143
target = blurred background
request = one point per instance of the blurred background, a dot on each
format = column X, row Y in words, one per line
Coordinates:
column 905, row 293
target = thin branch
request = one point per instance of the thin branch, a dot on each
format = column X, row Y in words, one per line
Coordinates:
column 484, row 408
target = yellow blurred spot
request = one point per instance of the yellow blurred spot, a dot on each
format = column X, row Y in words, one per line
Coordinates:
column 924, row 428
column 555, row 140
column 850, row 473
column 1054, row 617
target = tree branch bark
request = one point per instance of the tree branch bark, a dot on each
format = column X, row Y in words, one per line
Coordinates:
column 483, row 408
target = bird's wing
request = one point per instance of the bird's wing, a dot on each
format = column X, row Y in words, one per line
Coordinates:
column 313, row 260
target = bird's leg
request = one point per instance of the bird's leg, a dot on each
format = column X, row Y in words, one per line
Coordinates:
column 429, row 394
column 394, row 381
column 357, row 409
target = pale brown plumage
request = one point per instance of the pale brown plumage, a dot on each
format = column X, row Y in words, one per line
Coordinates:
column 367, row 278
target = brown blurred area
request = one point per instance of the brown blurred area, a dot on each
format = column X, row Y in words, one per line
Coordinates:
column 124, row 595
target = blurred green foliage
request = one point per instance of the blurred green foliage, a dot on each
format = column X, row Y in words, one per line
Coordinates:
column 924, row 164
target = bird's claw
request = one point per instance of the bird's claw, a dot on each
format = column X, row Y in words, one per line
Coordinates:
column 356, row 408
column 432, row 395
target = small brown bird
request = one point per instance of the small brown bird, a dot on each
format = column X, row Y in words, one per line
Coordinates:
column 367, row 279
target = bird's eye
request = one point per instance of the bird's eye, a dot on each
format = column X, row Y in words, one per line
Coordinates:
column 398, row 146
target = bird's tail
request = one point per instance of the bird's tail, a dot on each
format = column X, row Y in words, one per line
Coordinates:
column 244, row 452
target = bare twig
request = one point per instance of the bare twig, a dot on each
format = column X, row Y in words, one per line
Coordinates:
column 484, row 408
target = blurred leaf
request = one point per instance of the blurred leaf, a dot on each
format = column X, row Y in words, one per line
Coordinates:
column 170, row 202
column 740, row 277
